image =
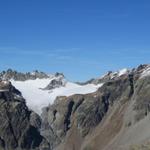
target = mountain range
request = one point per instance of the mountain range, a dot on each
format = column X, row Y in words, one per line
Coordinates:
column 47, row 112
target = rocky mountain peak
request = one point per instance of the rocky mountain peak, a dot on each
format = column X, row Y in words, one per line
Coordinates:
column 57, row 74
column 19, row 76
column 56, row 82
column 110, row 75
column 142, row 70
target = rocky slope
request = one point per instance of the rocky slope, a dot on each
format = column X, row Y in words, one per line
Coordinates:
column 19, row 127
column 115, row 117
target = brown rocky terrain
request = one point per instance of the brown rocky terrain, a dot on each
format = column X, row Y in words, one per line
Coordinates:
column 110, row 119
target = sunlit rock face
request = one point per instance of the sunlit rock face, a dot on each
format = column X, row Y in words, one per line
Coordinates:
column 110, row 118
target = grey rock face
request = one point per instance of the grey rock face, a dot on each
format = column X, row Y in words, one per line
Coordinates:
column 19, row 127
column 59, row 81
column 18, row 76
column 142, row 97
column 88, row 109
column 53, row 122
column 54, row 84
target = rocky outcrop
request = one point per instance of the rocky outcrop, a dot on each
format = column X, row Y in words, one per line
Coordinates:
column 58, row 81
column 18, row 76
column 107, row 77
column 19, row 127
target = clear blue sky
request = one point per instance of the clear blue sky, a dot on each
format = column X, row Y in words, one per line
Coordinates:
column 81, row 38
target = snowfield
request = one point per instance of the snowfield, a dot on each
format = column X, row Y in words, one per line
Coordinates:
column 36, row 98
column 122, row 72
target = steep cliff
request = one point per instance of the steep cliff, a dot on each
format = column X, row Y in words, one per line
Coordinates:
column 19, row 126
column 112, row 118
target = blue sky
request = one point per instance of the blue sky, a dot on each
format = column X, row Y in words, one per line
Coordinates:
column 81, row 38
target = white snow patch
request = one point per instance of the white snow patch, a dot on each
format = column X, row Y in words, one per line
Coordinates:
column 118, row 73
column 146, row 72
column 122, row 72
column 37, row 98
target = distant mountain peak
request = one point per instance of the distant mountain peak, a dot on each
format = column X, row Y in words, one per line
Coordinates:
column 58, row 74
column 19, row 76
